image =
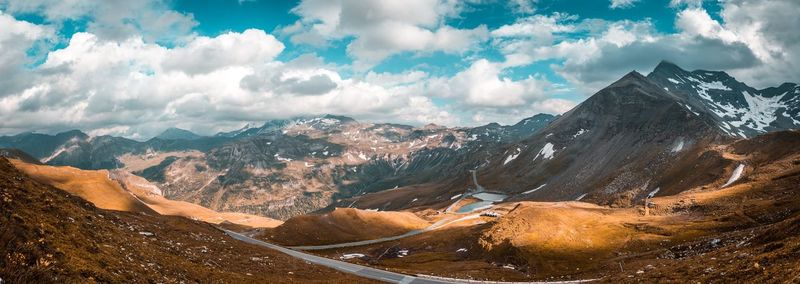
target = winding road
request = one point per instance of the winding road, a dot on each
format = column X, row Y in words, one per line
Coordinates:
column 372, row 273
column 346, row 267
column 439, row 224
column 364, row 271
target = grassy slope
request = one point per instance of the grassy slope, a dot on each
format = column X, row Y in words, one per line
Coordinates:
column 48, row 235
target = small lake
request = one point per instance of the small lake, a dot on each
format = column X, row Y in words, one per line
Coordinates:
column 495, row 197
column 487, row 199
column 475, row 206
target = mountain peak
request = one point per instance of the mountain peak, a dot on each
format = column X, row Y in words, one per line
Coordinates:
column 632, row 77
column 667, row 69
column 73, row 133
column 174, row 133
column 668, row 65
column 341, row 118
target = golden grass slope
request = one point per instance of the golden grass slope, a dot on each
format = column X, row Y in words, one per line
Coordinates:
column 344, row 225
column 93, row 186
column 118, row 190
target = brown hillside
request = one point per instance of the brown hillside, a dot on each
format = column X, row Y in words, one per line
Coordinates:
column 747, row 230
column 94, row 186
column 122, row 191
column 50, row 236
column 343, row 225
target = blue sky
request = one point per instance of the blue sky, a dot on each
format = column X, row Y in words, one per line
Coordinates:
column 134, row 68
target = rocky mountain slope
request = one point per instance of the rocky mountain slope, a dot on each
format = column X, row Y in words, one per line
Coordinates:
column 636, row 138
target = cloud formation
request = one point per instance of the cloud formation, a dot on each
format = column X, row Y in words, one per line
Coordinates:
column 383, row 28
column 138, row 67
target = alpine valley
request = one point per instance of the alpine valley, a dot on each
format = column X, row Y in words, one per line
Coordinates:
column 673, row 176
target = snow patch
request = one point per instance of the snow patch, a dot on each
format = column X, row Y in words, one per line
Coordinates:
column 534, row 190
column 512, row 157
column 691, row 110
column 581, row 197
column 581, row 131
column 455, row 196
column 653, row 193
column 282, row 159
column 402, row 253
column 673, row 81
column 737, row 173
column 678, row 146
column 351, row 256
column 546, row 152
column 60, row 150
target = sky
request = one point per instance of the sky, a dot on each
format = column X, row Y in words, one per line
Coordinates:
column 135, row 68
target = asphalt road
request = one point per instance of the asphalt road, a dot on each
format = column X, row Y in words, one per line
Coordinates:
column 372, row 273
column 346, row 267
column 441, row 223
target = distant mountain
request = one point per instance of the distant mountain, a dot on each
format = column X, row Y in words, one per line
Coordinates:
column 285, row 167
column 77, row 149
column 736, row 108
column 234, row 133
column 326, row 121
column 19, row 155
column 173, row 133
column 288, row 167
column 42, row 146
column 629, row 139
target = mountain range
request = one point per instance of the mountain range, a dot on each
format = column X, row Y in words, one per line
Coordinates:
column 616, row 147
column 658, row 178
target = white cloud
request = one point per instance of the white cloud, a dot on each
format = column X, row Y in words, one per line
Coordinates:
column 697, row 22
column 482, row 85
column 622, row 4
column 769, row 28
column 16, row 39
column 523, row 6
column 152, row 20
column 135, row 88
column 757, row 42
column 392, row 79
column 204, row 54
column 483, row 94
column 381, row 28
column 685, row 3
